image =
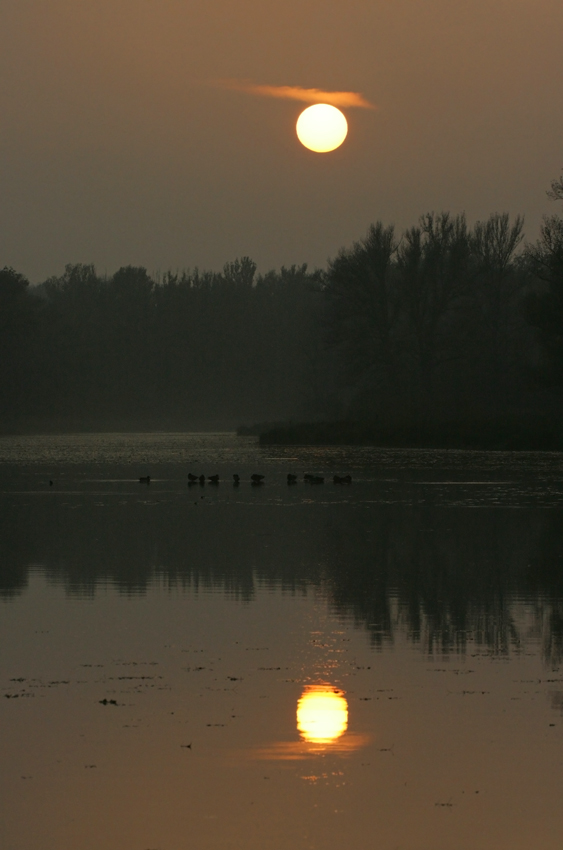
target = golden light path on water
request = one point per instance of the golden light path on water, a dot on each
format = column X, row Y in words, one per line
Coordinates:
column 322, row 724
column 322, row 714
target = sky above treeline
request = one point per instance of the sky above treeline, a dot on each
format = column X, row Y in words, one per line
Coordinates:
column 126, row 135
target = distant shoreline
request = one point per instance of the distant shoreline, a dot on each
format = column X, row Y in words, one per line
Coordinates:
column 509, row 433
column 503, row 433
column 31, row 427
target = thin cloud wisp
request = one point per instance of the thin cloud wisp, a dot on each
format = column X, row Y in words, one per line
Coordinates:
column 335, row 98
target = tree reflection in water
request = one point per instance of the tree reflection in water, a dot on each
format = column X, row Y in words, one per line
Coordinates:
column 444, row 576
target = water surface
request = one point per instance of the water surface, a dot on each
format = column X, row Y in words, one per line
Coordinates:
column 312, row 666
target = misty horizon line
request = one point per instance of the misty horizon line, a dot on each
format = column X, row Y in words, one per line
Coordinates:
column 188, row 270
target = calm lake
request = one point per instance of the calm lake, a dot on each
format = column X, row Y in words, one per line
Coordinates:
column 219, row 667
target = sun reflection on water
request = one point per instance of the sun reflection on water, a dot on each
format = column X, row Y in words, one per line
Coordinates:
column 322, row 723
column 322, row 714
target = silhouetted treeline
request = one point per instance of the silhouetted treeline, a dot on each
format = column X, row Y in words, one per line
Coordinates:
column 447, row 322
column 444, row 323
column 188, row 351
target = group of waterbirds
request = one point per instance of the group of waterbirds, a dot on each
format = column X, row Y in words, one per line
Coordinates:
column 256, row 479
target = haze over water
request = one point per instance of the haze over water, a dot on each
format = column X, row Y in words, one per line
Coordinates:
column 307, row 666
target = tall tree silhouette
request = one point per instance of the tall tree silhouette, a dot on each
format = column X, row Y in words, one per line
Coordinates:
column 556, row 191
column 497, row 289
column 20, row 330
column 363, row 308
column 434, row 274
column 544, row 308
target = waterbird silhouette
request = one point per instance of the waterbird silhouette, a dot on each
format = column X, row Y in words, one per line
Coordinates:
column 192, row 478
column 291, row 479
column 236, row 480
column 257, row 478
column 202, row 480
column 342, row 479
column 213, row 479
column 145, row 479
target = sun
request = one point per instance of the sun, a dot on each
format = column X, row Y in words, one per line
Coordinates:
column 321, row 128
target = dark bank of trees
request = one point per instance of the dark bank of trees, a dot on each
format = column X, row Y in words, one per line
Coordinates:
column 448, row 334
column 195, row 350
column 432, row 324
column 451, row 323
column 444, row 325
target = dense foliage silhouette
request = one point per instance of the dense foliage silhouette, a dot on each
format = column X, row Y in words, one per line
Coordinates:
column 193, row 350
column 445, row 323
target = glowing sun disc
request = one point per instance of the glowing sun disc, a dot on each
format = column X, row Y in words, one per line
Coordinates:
column 321, row 128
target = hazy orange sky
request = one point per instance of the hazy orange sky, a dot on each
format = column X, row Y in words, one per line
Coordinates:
column 117, row 147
